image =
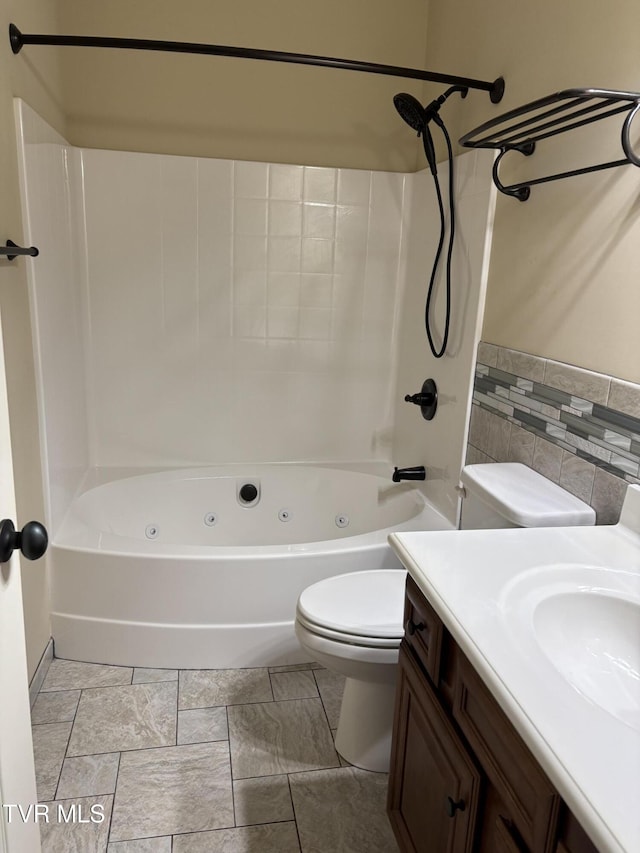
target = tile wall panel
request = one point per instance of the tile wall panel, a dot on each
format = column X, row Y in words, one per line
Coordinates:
column 579, row 428
column 253, row 304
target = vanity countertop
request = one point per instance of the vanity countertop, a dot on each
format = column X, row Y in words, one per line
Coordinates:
column 550, row 619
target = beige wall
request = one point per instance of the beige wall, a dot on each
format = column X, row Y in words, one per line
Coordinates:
column 564, row 267
column 38, row 81
column 245, row 109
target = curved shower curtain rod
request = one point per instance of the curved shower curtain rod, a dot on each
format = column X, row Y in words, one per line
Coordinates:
column 18, row 40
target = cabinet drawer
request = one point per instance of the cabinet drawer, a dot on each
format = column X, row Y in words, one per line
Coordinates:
column 423, row 630
column 531, row 800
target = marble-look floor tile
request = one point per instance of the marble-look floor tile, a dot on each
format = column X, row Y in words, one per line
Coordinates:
column 142, row 675
column 59, row 707
column 49, row 746
column 331, row 687
column 85, row 835
column 202, row 688
column 142, row 845
column 88, row 775
column 265, row 799
column 271, row 738
column 199, row 725
column 113, row 719
column 74, row 675
column 293, row 685
column 272, row 838
column 173, row 790
column 342, row 811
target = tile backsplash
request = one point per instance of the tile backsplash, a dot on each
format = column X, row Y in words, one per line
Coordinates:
column 578, row 428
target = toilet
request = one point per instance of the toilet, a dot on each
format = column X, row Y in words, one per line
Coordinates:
column 352, row 623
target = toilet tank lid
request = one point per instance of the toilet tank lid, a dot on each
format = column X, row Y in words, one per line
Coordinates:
column 524, row 497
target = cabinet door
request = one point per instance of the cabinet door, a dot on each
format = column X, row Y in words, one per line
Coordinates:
column 434, row 785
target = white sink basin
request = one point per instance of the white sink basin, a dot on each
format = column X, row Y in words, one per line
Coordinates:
column 586, row 621
column 593, row 640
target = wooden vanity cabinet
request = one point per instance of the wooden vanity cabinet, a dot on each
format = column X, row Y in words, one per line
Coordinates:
column 462, row 780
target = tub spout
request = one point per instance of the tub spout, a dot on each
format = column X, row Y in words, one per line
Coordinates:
column 416, row 473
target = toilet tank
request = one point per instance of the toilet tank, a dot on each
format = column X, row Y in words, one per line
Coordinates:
column 509, row 494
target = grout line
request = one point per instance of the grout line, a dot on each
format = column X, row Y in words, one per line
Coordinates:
column 293, row 807
column 226, row 708
column 233, row 795
column 64, row 757
column 177, row 713
column 113, row 802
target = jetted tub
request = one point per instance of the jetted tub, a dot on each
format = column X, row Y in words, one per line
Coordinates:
column 189, row 569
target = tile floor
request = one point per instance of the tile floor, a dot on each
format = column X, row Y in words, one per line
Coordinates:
column 200, row 761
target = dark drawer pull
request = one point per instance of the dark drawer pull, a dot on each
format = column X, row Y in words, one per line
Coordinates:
column 453, row 807
column 411, row 627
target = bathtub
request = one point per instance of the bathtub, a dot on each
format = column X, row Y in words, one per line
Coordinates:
column 179, row 569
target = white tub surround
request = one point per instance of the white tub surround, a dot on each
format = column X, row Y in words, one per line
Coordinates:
column 549, row 619
column 173, row 570
column 241, row 290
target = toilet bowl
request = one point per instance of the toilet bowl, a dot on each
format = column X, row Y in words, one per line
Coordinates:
column 352, row 624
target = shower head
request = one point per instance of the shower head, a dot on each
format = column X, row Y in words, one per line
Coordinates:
column 418, row 117
column 411, row 110
column 415, row 116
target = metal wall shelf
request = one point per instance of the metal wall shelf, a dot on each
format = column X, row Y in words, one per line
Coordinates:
column 520, row 129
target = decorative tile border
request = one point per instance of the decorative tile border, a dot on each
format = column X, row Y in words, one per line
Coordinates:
column 578, row 428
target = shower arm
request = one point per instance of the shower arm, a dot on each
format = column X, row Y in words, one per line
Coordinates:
column 19, row 39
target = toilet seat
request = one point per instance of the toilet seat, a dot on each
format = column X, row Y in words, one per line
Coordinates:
column 360, row 608
column 349, row 639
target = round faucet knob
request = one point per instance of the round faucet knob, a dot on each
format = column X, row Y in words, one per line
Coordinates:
column 426, row 398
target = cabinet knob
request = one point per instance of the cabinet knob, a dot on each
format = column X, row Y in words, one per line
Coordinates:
column 453, row 807
column 411, row 627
